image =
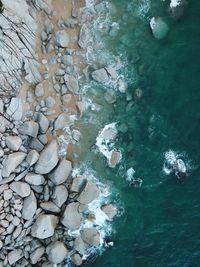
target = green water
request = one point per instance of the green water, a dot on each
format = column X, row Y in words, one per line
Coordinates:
column 160, row 224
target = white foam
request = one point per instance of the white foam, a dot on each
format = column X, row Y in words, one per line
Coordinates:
column 175, row 3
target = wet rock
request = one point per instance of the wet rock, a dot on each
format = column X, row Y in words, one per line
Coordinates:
column 72, row 83
column 48, row 158
column 32, row 157
column 60, row 195
column 12, row 162
column 29, row 128
column 44, row 226
column 77, row 184
column 49, row 206
column 29, row 206
column 56, row 252
column 114, row 159
column 36, row 255
column 71, row 217
column 76, row 259
column 62, row 121
column 39, row 90
column 34, row 179
column 84, row 36
column 91, row 236
column 62, row 38
column 89, row 193
column 13, row 142
column 15, row 109
column 100, row 75
column 110, row 211
column 14, row 256
column 159, row 27
column 80, row 246
column 110, row 96
column 21, row 188
column 61, row 172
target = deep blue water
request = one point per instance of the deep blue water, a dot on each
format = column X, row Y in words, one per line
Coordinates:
column 160, row 224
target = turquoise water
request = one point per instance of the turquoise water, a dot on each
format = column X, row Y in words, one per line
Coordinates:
column 160, row 223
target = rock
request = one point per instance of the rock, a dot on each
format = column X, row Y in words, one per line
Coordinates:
column 29, row 206
column 90, row 236
column 80, row 246
column 32, row 157
column 21, row 188
column 72, row 83
column 76, row 259
column 84, row 36
column 36, row 145
column 15, row 109
column 114, row 159
column 77, row 184
column 44, row 226
column 12, row 162
column 100, row 75
column 67, row 60
column 7, row 194
column 36, row 255
column 110, row 96
column 48, row 26
column 48, row 158
column 14, row 256
column 61, row 172
column 50, row 102
column 89, row 193
column 56, row 252
column 62, row 121
column 60, row 195
column 49, row 206
column 13, row 142
column 4, row 123
column 15, row 221
column 34, row 179
column 62, row 38
column 71, row 217
column 109, row 210
column 29, row 128
column 39, row 90
column 159, row 27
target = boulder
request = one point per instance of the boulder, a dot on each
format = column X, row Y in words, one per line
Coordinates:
column 49, row 206
column 44, row 226
column 12, row 162
column 89, row 193
column 29, row 128
column 39, row 90
column 159, row 27
column 90, row 236
column 62, row 121
column 77, row 184
column 110, row 211
column 60, row 195
column 32, row 157
column 36, row 145
column 15, row 109
column 43, row 123
column 76, row 259
column 34, row 179
column 60, row 174
column 50, row 102
column 62, row 38
column 72, row 83
column 48, row 158
column 114, row 159
column 29, row 206
column 13, row 142
column 84, row 36
column 36, row 255
column 4, row 123
column 100, row 75
column 56, row 252
column 21, row 188
column 14, row 256
column 71, row 217
column 80, row 246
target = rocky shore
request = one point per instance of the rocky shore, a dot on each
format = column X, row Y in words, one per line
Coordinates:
column 45, row 214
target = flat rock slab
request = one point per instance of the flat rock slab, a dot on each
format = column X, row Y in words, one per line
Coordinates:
column 12, row 162
column 56, row 252
column 21, row 188
column 44, row 226
column 48, row 158
column 29, row 206
column 61, row 172
column 71, row 217
column 29, row 128
column 15, row 109
column 89, row 193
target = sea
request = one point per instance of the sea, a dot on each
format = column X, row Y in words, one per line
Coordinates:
column 157, row 112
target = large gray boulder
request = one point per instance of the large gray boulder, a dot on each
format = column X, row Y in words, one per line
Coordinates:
column 50, row 207
column 71, row 217
column 48, row 158
column 44, row 226
column 60, row 195
column 91, row 236
column 43, row 122
column 36, row 255
column 14, row 256
column 21, row 188
column 34, row 179
column 56, row 252
column 72, row 83
column 13, row 142
column 100, row 75
column 79, row 245
column 15, row 109
column 29, row 206
column 61, row 172
column 109, row 210
column 84, row 36
column 62, row 121
column 89, row 193
column 12, row 162
column 29, row 128
column 62, row 38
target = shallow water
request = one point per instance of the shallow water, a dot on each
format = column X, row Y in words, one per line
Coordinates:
column 159, row 226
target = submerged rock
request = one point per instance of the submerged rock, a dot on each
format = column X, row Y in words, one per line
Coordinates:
column 100, row 75
column 159, row 27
